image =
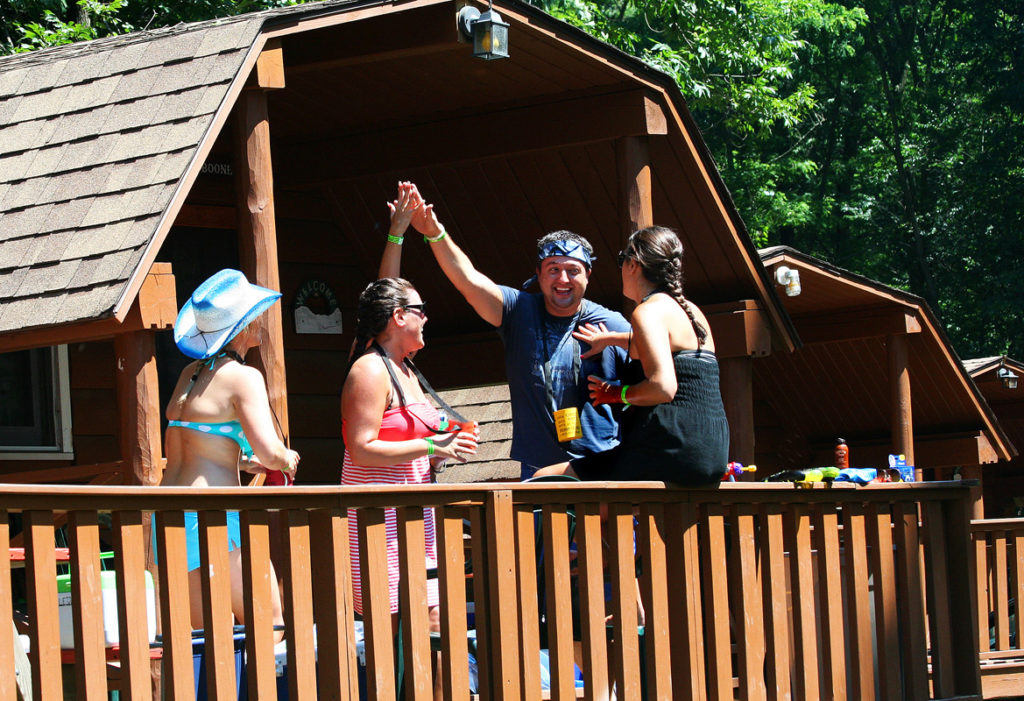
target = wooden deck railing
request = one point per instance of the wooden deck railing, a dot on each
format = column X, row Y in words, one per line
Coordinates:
column 756, row 591
column 999, row 553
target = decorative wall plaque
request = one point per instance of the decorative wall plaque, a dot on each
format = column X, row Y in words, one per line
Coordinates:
column 316, row 309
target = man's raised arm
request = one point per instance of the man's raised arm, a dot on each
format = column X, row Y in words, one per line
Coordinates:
column 479, row 290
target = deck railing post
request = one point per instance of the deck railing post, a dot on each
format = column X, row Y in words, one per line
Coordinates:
column 90, row 663
column 451, row 562
column 504, row 630
column 41, row 586
column 685, row 609
column 957, row 518
column 259, row 638
column 333, row 606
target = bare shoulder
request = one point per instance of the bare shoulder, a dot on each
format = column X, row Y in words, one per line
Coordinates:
column 242, row 378
column 367, row 371
column 654, row 311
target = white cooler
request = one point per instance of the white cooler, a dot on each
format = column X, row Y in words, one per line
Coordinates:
column 108, row 587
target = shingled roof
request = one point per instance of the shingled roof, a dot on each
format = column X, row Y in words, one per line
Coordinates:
column 95, row 139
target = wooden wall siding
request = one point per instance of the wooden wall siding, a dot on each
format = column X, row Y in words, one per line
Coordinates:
column 95, row 427
column 747, row 549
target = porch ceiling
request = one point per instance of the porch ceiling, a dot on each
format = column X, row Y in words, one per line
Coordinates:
column 507, row 149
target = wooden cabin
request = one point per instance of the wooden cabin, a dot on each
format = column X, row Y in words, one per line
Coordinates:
column 998, row 380
column 876, row 369
column 133, row 167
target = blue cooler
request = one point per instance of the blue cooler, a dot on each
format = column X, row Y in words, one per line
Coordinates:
column 199, row 667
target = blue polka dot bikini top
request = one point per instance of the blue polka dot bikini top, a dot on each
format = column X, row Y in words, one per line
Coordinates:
column 228, row 429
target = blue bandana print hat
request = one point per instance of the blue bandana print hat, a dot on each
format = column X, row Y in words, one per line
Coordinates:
column 219, row 308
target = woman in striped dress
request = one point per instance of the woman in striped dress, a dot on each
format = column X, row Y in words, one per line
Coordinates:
column 390, row 428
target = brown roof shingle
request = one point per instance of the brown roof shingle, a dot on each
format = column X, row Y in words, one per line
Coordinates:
column 94, row 139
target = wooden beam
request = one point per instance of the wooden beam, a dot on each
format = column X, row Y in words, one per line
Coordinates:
column 860, row 322
column 391, row 37
column 138, row 399
column 268, row 73
column 636, row 209
column 157, row 300
column 738, row 396
column 901, row 407
column 469, row 137
column 740, row 329
column 257, row 238
column 931, row 451
column 154, row 308
column 208, row 216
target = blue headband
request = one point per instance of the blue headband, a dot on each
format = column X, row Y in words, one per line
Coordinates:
column 566, row 248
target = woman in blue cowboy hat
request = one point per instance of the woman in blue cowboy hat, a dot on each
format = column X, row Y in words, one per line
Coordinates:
column 220, row 416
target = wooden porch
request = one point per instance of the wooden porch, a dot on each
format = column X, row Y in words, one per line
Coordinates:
column 750, row 591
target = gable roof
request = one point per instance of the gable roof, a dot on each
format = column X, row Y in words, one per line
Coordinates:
column 100, row 142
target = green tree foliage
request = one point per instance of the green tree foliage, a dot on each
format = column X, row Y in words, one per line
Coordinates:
column 26, row 25
column 885, row 136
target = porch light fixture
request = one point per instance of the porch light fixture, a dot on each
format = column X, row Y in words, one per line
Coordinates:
column 488, row 32
column 1008, row 376
column 789, row 279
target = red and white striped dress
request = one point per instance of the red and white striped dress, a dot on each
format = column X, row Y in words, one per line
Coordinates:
column 398, row 424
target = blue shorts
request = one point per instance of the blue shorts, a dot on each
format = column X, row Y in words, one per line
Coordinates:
column 192, row 537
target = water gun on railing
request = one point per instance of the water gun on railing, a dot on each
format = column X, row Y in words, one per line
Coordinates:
column 805, row 477
column 735, row 469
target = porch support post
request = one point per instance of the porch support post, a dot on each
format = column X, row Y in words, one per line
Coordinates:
column 901, row 407
column 737, row 378
column 634, row 165
column 257, row 231
column 138, row 399
column 977, row 499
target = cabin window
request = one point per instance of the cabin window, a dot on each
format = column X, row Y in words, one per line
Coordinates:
column 35, row 404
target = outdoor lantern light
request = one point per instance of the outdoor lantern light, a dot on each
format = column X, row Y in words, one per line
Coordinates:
column 488, row 31
column 788, row 278
column 1009, row 378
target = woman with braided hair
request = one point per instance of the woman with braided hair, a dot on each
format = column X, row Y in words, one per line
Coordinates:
column 391, row 431
column 674, row 429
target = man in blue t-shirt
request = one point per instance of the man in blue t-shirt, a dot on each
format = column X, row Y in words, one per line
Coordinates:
column 542, row 359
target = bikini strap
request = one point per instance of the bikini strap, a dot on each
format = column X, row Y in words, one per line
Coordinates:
column 394, row 378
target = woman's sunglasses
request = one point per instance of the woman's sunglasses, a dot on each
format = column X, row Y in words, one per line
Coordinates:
column 621, row 258
column 420, row 308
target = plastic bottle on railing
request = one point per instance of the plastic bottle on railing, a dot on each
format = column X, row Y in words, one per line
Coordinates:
column 842, row 454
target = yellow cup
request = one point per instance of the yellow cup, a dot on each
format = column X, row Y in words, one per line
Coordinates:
column 567, row 424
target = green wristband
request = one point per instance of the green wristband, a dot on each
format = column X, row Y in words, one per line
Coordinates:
column 436, row 238
column 623, row 396
column 430, row 446
column 396, row 239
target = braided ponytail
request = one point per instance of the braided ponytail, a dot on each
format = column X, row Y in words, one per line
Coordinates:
column 660, row 254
